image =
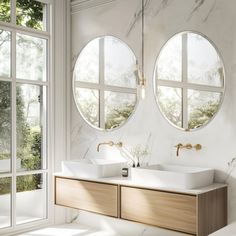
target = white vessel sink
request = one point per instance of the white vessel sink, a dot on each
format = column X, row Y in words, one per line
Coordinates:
column 172, row 176
column 94, row 168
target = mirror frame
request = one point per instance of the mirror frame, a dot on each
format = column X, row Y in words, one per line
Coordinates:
column 73, row 86
column 155, row 81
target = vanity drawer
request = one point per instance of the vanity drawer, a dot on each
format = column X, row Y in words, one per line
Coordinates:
column 163, row 209
column 90, row 196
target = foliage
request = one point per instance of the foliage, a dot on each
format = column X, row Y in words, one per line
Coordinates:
column 30, row 154
column 5, row 120
column 28, row 142
column 198, row 117
column 89, row 107
column 28, row 182
column 118, row 115
column 5, row 185
column 171, row 108
column 202, row 114
column 5, row 12
column 28, row 13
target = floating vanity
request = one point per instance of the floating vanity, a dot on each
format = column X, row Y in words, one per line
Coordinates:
column 198, row 211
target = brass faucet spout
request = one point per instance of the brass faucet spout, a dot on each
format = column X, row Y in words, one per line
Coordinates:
column 178, row 146
column 110, row 143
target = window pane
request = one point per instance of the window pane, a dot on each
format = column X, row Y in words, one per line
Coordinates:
column 31, row 13
column 118, row 108
column 30, row 57
column 120, row 63
column 88, row 102
column 87, row 65
column 5, row 10
column 5, row 126
column 169, row 66
column 5, row 53
column 5, row 200
column 170, row 102
column 30, row 118
column 30, row 198
column 202, row 106
column 204, row 64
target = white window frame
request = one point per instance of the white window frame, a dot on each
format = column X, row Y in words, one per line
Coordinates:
column 184, row 85
column 101, row 87
column 48, row 84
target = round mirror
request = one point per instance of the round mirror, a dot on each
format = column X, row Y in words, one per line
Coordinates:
column 104, row 82
column 189, row 80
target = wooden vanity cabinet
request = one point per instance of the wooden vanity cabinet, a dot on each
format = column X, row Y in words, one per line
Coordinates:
column 90, row 196
column 194, row 214
column 163, row 209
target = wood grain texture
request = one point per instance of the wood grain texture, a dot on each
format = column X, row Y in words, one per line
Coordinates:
column 212, row 211
column 167, row 210
column 89, row 196
column 200, row 214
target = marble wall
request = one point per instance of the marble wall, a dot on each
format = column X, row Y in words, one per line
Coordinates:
column 163, row 18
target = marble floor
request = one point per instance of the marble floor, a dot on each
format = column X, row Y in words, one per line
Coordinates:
column 69, row 230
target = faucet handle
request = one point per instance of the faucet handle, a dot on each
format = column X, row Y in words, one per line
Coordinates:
column 198, row 147
column 188, row 146
column 119, row 144
column 110, row 143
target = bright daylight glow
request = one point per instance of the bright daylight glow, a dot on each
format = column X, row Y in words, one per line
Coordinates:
column 69, row 230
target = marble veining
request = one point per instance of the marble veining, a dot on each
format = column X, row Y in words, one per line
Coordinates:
column 210, row 11
column 163, row 5
column 152, row 9
column 137, row 16
column 147, row 5
column 199, row 4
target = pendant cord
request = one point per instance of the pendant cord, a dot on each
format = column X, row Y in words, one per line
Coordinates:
column 142, row 39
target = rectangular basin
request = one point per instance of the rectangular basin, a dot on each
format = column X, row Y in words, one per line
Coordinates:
column 173, row 176
column 93, row 168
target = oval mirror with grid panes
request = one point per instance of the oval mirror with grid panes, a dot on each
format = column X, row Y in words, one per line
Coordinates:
column 104, row 83
column 189, row 80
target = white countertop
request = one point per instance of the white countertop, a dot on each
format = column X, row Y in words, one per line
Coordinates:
column 229, row 230
column 127, row 181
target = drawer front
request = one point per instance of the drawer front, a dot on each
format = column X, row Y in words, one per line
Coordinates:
column 89, row 196
column 167, row 210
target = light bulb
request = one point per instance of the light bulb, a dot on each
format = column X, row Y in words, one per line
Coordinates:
column 142, row 92
column 141, row 88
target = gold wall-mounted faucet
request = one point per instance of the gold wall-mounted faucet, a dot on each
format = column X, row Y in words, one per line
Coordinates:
column 179, row 146
column 109, row 143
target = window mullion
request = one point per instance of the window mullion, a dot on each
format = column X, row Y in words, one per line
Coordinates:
column 14, row 144
column 105, row 87
column 184, row 81
column 101, row 81
column 13, row 12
